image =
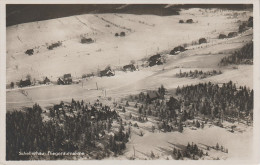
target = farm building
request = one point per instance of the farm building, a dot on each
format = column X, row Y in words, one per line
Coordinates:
column 181, row 21
column 24, row 83
column 107, row 72
column 66, row 80
column 173, row 104
column 60, row 81
column 202, row 40
column 54, row 45
column 86, row 40
column 46, row 80
column 242, row 28
column 232, row 34
column 189, row 21
column 155, row 60
column 152, row 95
column 122, row 34
column 129, row 67
column 29, row 52
column 222, row 36
column 177, row 49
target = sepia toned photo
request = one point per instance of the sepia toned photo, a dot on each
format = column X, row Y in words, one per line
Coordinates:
column 129, row 81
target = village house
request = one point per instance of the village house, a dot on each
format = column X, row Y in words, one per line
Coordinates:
column 107, row 72
column 46, row 81
column 66, row 80
column 181, row 21
column 189, row 21
column 122, row 34
column 222, row 36
column 151, row 96
column 29, row 52
column 177, row 50
column 86, row 40
column 24, row 83
column 202, row 40
column 232, row 34
column 129, row 67
column 155, row 60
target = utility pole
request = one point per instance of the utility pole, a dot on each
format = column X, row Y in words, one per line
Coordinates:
column 83, row 82
column 97, row 85
column 134, row 151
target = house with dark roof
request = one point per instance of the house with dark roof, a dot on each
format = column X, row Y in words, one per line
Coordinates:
column 107, row 72
column 46, row 80
column 129, row 67
column 86, row 40
column 60, row 81
column 151, row 96
column 155, row 60
column 24, row 83
column 189, row 21
column 202, row 40
column 232, row 34
column 177, row 50
column 29, row 52
column 67, row 78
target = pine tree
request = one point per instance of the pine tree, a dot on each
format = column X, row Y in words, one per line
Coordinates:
column 152, row 155
column 180, row 128
column 126, row 104
column 217, row 146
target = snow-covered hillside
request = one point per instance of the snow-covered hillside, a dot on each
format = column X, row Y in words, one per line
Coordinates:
column 145, row 36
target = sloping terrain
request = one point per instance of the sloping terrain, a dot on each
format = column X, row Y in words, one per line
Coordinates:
column 146, row 35
column 23, row 13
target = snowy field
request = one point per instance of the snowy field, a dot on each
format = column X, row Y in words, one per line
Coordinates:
column 156, row 34
column 146, row 35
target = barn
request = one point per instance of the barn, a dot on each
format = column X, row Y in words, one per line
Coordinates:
column 232, row 34
column 86, row 40
column 181, row 21
column 60, row 81
column 46, row 80
column 122, row 34
column 222, row 36
column 107, row 72
column 177, row 49
column 129, row 67
column 155, row 60
column 67, row 78
column 189, row 21
column 29, row 52
column 24, row 83
column 152, row 95
column 202, row 40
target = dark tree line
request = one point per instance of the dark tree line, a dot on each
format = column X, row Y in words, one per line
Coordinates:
column 76, row 127
column 198, row 74
column 54, row 45
column 242, row 56
column 191, row 151
column 217, row 101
